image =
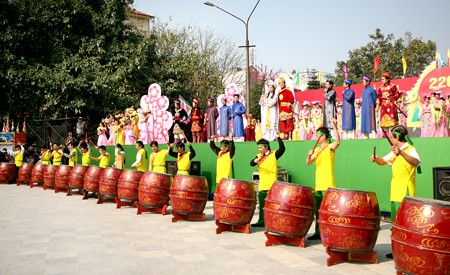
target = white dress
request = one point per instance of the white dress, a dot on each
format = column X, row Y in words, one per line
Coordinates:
column 269, row 115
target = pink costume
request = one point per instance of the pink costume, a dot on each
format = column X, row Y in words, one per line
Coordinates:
column 305, row 125
column 440, row 118
column 102, row 139
column 129, row 134
column 428, row 126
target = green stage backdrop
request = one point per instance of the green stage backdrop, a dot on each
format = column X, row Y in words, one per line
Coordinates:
column 353, row 168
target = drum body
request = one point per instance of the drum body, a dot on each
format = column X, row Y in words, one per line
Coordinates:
column 49, row 175
column 154, row 189
column 234, row 201
column 76, row 177
column 7, row 171
column 421, row 236
column 349, row 220
column 108, row 181
column 289, row 209
column 37, row 174
column 62, row 176
column 25, row 172
column 92, row 178
column 128, row 185
column 188, row 194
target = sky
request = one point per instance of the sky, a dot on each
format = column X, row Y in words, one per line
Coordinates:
column 296, row 34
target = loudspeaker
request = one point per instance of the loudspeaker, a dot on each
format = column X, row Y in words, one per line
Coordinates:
column 171, row 167
column 441, row 183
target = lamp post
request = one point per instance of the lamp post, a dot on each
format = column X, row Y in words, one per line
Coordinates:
column 247, row 46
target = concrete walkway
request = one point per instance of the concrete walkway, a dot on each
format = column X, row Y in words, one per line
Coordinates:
column 46, row 233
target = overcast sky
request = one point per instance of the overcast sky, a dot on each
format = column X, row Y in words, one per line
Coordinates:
column 296, row 34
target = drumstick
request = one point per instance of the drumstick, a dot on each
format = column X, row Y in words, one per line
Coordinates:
column 374, row 151
column 384, row 133
column 317, row 141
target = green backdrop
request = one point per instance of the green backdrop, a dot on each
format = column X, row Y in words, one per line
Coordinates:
column 353, row 168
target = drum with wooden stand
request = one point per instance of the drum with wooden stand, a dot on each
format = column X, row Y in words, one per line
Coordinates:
column 154, row 189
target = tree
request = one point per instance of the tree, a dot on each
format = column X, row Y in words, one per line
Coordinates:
column 314, row 82
column 389, row 50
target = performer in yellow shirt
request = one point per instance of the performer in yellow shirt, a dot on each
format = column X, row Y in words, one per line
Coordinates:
column 225, row 155
column 103, row 158
column 73, row 155
column 56, row 154
column 183, row 158
column 45, row 155
column 119, row 162
column 85, row 151
column 324, row 158
column 18, row 157
column 404, row 160
column 141, row 157
column 157, row 158
column 267, row 169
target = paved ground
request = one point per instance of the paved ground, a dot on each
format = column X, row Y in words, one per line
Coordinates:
column 46, row 233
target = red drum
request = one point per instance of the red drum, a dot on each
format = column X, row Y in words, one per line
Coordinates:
column 108, row 181
column 92, row 179
column 7, row 171
column 127, row 188
column 289, row 209
column 49, row 175
column 421, row 237
column 154, row 189
column 76, row 177
column 349, row 220
column 188, row 194
column 234, row 201
column 37, row 174
column 62, row 176
column 25, row 172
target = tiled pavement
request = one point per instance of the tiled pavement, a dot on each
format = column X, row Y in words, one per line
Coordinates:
column 46, row 233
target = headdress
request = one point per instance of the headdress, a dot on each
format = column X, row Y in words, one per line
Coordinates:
column 366, row 78
column 386, row 75
column 348, row 82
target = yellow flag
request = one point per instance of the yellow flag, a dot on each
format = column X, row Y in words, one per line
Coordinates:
column 404, row 65
column 448, row 53
column 320, row 79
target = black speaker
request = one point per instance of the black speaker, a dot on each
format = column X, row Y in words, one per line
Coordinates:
column 441, row 183
column 171, row 167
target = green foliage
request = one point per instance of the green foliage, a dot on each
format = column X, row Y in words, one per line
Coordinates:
column 313, row 82
column 389, row 50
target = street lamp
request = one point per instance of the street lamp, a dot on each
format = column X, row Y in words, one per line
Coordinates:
column 247, row 46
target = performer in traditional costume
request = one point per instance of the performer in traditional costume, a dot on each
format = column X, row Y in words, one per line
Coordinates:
column 73, row 155
column 179, row 118
column 358, row 111
column 141, row 157
column 387, row 96
column 103, row 158
column 428, row 128
column 316, row 118
column 329, row 111
column 56, row 155
column 211, row 119
column 224, row 118
column 286, row 116
column 368, row 107
column 348, row 111
column 267, row 169
column 250, row 130
column 85, row 151
column 324, row 157
column 101, row 133
column 158, row 158
column 439, row 115
column 237, row 111
column 183, row 158
column 45, row 155
column 269, row 111
column 304, row 121
column 196, row 120
column 119, row 154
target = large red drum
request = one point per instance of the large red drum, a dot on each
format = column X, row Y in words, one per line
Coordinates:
column 349, row 220
column 108, row 181
column 25, row 172
column 188, row 194
column 76, row 177
column 62, row 176
column 421, row 237
column 289, row 209
column 7, row 172
column 92, row 179
column 234, row 201
column 154, row 189
column 127, row 188
column 49, row 175
column 37, row 174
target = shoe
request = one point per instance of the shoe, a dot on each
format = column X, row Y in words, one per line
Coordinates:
column 314, row 237
column 258, row 224
column 389, row 256
column 210, row 197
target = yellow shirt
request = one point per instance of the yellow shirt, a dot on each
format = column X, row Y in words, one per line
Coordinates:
column 18, row 158
column 183, row 163
column 57, row 157
column 403, row 176
column 158, row 161
column 120, row 159
column 224, row 164
column 267, row 169
column 73, row 160
column 86, row 159
column 104, row 161
column 324, row 168
column 143, row 164
column 46, row 158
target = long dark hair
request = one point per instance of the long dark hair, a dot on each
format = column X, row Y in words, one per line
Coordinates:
column 118, row 145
